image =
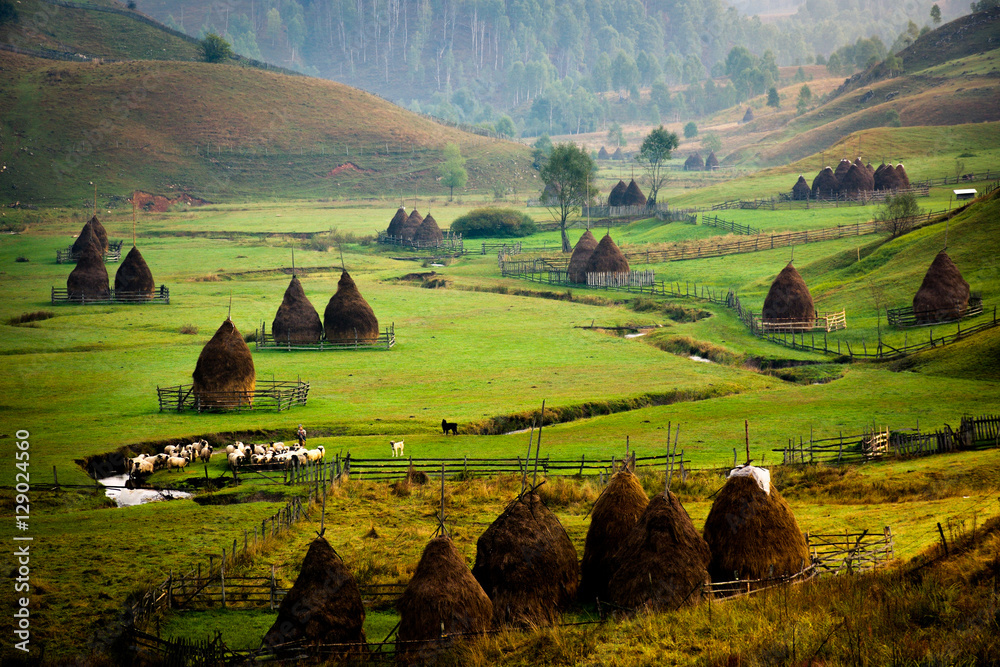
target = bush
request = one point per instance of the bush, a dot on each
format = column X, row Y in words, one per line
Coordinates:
column 37, row 316
column 493, row 223
column 189, row 329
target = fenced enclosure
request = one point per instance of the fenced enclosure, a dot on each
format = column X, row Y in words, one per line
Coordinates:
column 160, row 295
column 787, row 200
column 824, row 322
column 732, row 227
column 266, row 341
column 111, row 256
column 609, row 279
column 451, row 241
column 275, row 395
column 906, row 317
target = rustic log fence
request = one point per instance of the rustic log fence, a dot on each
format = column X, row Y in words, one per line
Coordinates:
column 787, row 200
column 732, row 227
column 160, row 295
column 112, row 255
column 276, row 395
column 906, row 317
column 263, row 340
column 450, row 241
column 834, row 553
column 611, row 279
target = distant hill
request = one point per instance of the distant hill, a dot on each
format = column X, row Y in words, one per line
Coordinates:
column 219, row 132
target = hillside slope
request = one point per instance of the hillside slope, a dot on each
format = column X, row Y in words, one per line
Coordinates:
column 221, row 132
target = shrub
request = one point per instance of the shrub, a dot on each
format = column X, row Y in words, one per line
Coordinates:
column 189, row 329
column 36, row 316
column 494, row 222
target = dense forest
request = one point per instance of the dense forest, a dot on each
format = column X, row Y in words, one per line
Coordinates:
column 552, row 66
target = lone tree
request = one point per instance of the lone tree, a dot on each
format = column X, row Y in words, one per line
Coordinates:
column 896, row 216
column 653, row 155
column 805, row 96
column 566, row 175
column 690, row 130
column 452, row 170
column 214, row 49
column 772, row 97
column 936, row 14
column 615, row 135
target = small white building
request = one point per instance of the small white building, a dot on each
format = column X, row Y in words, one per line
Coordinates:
column 968, row 193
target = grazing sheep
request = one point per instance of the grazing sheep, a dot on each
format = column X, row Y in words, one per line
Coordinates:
column 235, row 459
column 179, row 462
column 397, row 447
column 205, row 453
column 449, row 426
column 144, row 467
column 315, row 455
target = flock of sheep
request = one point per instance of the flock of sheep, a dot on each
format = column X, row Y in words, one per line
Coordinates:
column 177, row 457
column 173, row 457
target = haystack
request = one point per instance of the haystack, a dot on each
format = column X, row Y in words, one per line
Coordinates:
column 614, row 515
column 662, row 561
column 603, row 154
column 633, row 195
column 857, row 180
column 224, row 375
column 944, row 293
column 296, row 320
column 99, row 232
column 842, row 169
column 748, row 116
column 825, row 184
column 617, row 195
column 324, row 605
column 86, row 237
column 607, row 257
column 348, row 316
column 886, row 178
column 870, row 168
column 694, row 163
column 711, row 162
column 752, row 534
column 412, row 224
column 133, row 276
column 904, row 180
column 442, row 598
column 800, row 191
column 789, row 299
column 577, row 269
column 858, row 162
column 550, row 195
column 526, row 563
column 428, row 232
column 89, row 278
column 397, row 223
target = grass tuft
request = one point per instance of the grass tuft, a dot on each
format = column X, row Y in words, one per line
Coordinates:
column 37, row 316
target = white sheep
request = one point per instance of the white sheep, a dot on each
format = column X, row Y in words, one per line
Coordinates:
column 235, row 459
column 170, row 450
column 315, row 455
column 179, row 462
column 205, row 453
column 144, row 467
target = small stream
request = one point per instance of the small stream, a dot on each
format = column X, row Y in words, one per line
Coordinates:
column 129, row 497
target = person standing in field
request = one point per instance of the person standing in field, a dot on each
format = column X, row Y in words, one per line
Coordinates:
column 301, row 435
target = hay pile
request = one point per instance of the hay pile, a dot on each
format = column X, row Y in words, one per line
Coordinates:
column 99, row 232
column 607, row 257
column 857, row 180
column 617, row 195
column 603, row 154
column 904, row 180
column 577, row 269
column 752, row 534
column 428, row 231
column 614, row 515
column 618, row 155
column 224, row 375
column 800, row 191
column 412, row 224
column 89, row 278
column 348, row 317
column 944, row 293
column 789, row 298
column 442, row 597
column 748, row 116
column 324, row 605
column 296, row 320
column 87, row 237
column 133, row 275
column 711, row 162
column 662, row 561
column 526, row 563
column 694, row 163
column 825, row 184
column 886, row 178
column 633, row 195
column 397, row 223
column 842, row 169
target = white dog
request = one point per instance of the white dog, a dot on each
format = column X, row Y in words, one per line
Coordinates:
column 397, row 447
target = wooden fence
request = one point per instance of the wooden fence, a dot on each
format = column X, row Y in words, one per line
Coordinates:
column 112, row 255
column 786, row 200
column 733, row 227
column 825, row 322
column 906, row 317
column 160, row 295
column 609, row 279
column 451, row 241
column 834, row 553
column 266, row 341
column 267, row 395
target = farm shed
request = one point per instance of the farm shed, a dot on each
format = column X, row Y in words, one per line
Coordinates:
column 442, row 598
column 348, row 317
column 576, row 272
column 662, row 561
column 296, row 320
column 613, row 516
column 943, row 294
column 751, row 531
column 89, row 278
column 964, row 194
column 607, row 258
column 526, row 563
column 617, row 195
column 133, row 276
column 788, row 300
column 224, row 375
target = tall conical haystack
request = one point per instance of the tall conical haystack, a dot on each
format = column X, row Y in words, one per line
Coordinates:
column 607, row 257
column 711, row 162
column 886, row 178
column 577, row 269
column 324, row 605
column 617, row 196
column 789, row 299
column 748, row 116
column 89, row 278
column 694, row 163
column 825, row 184
column 752, row 534
column 663, row 561
column 614, row 515
column 842, row 169
column 296, row 320
column 133, row 276
column 86, row 237
column 633, row 195
column 428, row 232
column 857, row 180
column 904, row 180
column 348, row 317
column 800, row 191
column 526, row 563
column 397, row 223
column 618, row 155
column 870, row 168
column 603, row 154
column 99, row 232
column 412, row 224
column 442, row 598
column 224, row 376
column 944, row 293
column 858, row 162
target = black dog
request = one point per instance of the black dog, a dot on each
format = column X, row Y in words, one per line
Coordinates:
column 449, row 426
